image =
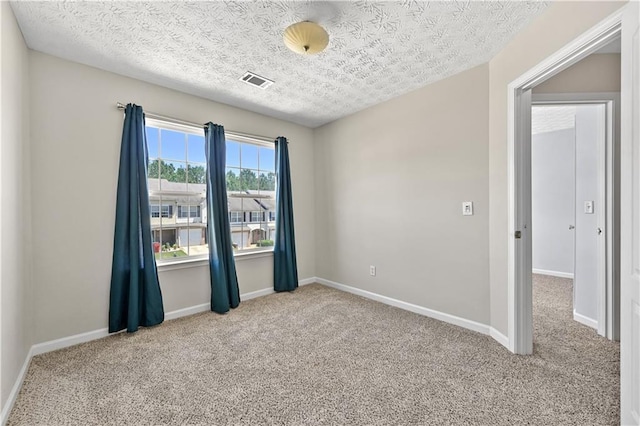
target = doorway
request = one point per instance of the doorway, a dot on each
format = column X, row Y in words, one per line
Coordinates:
column 572, row 174
column 520, row 327
column 625, row 24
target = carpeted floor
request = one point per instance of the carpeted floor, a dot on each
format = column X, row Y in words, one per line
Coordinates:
column 321, row 356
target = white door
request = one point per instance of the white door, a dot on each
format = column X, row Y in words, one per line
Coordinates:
column 630, row 219
column 522, row 330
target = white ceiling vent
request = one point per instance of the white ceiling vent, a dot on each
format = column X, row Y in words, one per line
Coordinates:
column 256, row 80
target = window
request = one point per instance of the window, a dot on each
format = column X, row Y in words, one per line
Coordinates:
column 177, row 190
column 166, row 210
column 235, row 217
column 251, row 186
column 257, row 216
column 188, row 211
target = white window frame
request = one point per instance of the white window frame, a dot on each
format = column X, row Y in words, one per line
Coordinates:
column 189, row 207
column 160, row 212
column 167, row 125
column 260, row 216
column 247, row 219
column 236, row 213
column 190, row 128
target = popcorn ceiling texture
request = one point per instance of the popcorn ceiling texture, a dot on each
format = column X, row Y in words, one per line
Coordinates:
column 377, row 50
column 323, row 357
column 552, row 118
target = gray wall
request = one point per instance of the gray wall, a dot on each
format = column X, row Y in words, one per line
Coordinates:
column 595, row 73
column 390, row 181
column 76, row 147
column 552, row 196
column 15, row 283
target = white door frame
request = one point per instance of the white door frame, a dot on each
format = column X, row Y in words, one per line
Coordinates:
column 606, row 207
column 520, row 318
column 630, row 217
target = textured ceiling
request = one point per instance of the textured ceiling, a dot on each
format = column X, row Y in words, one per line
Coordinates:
column 552, row 118
column 377, row 50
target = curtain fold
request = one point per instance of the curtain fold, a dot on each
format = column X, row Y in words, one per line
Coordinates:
column 135, row 297
column 224, row 281
column 285, row 269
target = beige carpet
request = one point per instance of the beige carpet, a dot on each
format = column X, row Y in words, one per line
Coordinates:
column 321, row 356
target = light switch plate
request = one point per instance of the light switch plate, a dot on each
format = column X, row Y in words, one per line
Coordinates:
column 588, row 207
column 467, row 208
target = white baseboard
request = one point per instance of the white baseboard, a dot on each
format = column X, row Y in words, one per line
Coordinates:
column 88, row 336
column 553, row 273
column 13, row 395
column 185, row 312
column 499, row 337
column 585, row 320
column 257, row 293
column 65, row 342
column 441, row 316
column 307, row 281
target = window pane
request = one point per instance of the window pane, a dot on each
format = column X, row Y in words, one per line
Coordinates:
column 196, row 174
column 189, row 212
column 249, row 180
column 155, row 210
column 177, row 185
column 169, row 246
column 267, row 181
column 174, row 171
column 235, row 217
column 250, row 218
column 233, row 179
column 249, row 156
column 196, row 149
column 172, row 145
column 267, row 159
column 152, row 141
column 168, row 170
column 154, row 170
column 233, row 154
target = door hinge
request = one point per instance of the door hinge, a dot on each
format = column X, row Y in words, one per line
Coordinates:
column 518, row 235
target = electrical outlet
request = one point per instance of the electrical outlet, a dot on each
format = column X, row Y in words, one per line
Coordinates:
column 372, row 271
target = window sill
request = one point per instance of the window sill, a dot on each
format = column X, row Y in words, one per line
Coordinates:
column 182, row 264
column 204, row 261
column 253, row 254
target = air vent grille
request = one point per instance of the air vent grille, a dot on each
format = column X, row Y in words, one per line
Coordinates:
column 256, row 80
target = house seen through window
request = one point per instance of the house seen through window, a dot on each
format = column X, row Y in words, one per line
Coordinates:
column 177, row 191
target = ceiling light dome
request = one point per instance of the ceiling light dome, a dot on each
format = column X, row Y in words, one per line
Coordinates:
column 306, row 38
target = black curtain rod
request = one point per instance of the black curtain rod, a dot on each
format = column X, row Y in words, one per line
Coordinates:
column 151, row 115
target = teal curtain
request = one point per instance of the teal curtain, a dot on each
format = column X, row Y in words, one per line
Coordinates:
column 135, row 298
column 285, row 269
column 224, row 281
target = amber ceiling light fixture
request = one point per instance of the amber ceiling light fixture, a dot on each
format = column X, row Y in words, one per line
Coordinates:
column 306, row 38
